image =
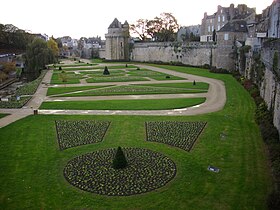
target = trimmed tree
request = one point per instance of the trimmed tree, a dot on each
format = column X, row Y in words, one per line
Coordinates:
column 106, row 71
column 194, row 82
column 119, row 161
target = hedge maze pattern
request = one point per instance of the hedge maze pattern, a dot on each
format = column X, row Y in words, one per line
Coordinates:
column 72, row 133
column 178, row 134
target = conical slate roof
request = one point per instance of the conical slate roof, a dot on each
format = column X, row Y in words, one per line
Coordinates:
column 115, row 24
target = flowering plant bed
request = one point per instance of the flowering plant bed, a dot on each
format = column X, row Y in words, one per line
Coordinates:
column 72, row 133
column 178, row 134
column 146, row 171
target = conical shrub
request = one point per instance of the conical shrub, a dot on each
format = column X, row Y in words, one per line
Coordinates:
column 119, row 161
column 106, row 71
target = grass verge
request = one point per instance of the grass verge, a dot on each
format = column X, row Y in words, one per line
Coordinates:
column 149, row 104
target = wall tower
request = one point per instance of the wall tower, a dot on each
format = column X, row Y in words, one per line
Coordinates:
column 117, row 41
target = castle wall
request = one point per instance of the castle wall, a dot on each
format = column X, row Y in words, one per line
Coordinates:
column 270, row 87
column 195, row 54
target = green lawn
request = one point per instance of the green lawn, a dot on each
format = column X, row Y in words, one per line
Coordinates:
column 187, row 85
column 148, row 104
column 133, row 90
column 32, row 164
column 109, row 78
column 70, row 78
column 3, row 115
column 61, row 90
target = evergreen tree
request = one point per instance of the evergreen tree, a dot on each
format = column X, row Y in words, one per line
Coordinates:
column 106, row 71
column 119, row 161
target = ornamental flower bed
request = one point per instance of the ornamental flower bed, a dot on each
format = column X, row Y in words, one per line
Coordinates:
column 75, row 133
column 178, row 134
column 146, row 171
column 31, row 87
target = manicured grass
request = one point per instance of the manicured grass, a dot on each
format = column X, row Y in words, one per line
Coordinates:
column 61, row 90
column 132, row 90
column 71, row 78
column 3, row 115
column 148, row 104
column 116, row 79
column 32, row 164
column 188, row 85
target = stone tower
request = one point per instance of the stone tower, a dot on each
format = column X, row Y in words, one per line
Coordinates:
column 117, row 41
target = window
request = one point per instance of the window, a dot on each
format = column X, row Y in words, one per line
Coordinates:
column 212, row 28
column 226, row 37
column 223, row 18
column 221, row 10
column 210, row 20
column 219, row 18
column 219, row 27
column 209, row 29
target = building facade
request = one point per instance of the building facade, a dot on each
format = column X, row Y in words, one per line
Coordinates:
column 117, row 41
column 223, row 15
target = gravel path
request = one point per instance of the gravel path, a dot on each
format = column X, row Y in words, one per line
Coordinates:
column 215, row 98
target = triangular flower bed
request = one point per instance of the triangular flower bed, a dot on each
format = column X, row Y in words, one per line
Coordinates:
column 174, row 133
column 72, row 133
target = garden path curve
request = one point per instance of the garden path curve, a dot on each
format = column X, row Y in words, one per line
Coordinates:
column 215, row 99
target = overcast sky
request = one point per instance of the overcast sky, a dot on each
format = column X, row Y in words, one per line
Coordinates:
column 91, row 18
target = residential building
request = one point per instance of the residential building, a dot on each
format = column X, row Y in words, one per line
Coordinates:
column 216, row 21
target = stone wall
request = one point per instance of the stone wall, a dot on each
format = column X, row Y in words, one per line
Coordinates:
column 194, row 53
column 270, row 87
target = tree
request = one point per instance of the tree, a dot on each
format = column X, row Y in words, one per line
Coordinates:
column 119, row 161
column 14, row 38
column 37, row 56
column 140, row 28
column 8, row 67
column 163, row 28
column 54, row 47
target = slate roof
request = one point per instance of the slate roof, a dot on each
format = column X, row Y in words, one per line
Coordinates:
column 235, row 26
column 115, row 24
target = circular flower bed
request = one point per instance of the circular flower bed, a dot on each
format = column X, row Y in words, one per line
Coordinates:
column 146, row 171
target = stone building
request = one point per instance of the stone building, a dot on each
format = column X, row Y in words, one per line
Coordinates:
column 188, row 33
column 231, row 36
column 222, row 17
column 117, row 41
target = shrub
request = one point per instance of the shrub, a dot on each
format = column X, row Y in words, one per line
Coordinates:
column 194, row 82
column 119, row 161
column 60, row 68
column 106, row 71
column 167, row 77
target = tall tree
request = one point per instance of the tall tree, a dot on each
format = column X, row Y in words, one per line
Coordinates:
column 140, row 28
column 38, row 54
column 163, row 28
column 54, row 48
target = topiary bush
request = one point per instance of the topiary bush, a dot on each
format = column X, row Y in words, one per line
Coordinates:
column 119, row 161
column 106, row 71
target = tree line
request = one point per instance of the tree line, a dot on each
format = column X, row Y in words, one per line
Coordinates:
column 161, row 29
column 37, row 52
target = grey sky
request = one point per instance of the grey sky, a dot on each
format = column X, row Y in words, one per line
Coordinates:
column 91, row 18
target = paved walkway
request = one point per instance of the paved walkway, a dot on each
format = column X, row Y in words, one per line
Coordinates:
column 215, row 99
column 34, row 103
